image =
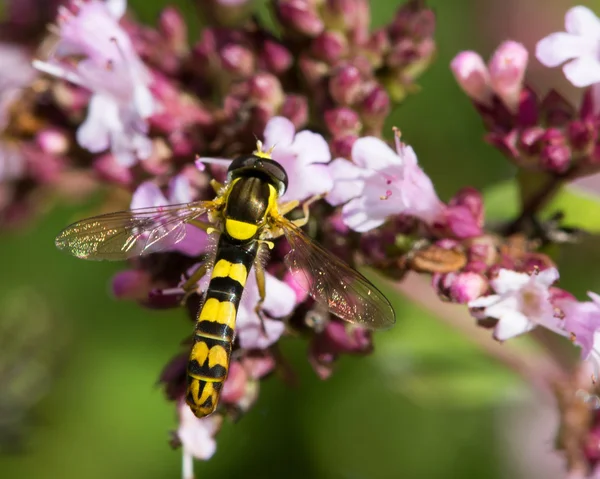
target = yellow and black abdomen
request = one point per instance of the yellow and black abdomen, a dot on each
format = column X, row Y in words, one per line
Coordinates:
column 213, row 335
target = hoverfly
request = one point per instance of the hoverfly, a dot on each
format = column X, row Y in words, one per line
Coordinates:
column 247, row 215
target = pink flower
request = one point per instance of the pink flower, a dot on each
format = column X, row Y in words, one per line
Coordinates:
column 148, row 194
column 582, row 320
column 303, row 156
column 280, row 300
column 381, row 183
column 522, row 302
column 197, row 436
column 580, row 44
column 16, row 73
column 96, row 53
column 472, row 75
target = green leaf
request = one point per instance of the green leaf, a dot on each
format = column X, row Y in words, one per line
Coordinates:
column 581, row 209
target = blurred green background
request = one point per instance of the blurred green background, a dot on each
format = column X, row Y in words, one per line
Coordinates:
column 426, row 404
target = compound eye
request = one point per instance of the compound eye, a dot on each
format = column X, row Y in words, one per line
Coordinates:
column 240, row 162
column 278, row 173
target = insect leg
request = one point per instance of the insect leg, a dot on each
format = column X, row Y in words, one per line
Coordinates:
column 305, row 210
column 285, row 208
column 260, row 281
column 203, row 225
column 216, row 185
column 190, row 285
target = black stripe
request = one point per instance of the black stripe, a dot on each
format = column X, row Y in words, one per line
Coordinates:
column 210, row 342
column 216, row 372
column 226, row 285
column 212, row 328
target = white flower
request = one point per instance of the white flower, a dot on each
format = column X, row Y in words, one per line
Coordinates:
column 379, row 183
column 522, row 302
column 580, row 44
column 303, row 156
column 93, row 51
column 197, row 435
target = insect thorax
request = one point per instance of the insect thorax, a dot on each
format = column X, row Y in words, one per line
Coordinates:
column 248, row 203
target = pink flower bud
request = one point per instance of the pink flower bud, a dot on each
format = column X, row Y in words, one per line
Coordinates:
column 172, row 25
column 530, row 140
column 312, row 70
column 234, row 388
column 460, row 287
column 375, row 107
column 555, row 155
column 275, row 57
column 266, row 89
column 237, row 59
column 345, row 85
column 295, row 108
column 342, row 120
column 108, row 169
column 464, row 215
column 472, row 76
column 329, row 46
column 300, row 16
column 341, row 146
column 131, row 284
column 582, row 135
column 258, row 364
column 52, row 141
column 507, row 70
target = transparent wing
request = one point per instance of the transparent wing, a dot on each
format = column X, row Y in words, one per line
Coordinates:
column 344, row 291
column 125, row 234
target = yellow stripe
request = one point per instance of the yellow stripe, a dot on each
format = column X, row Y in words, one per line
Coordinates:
column 240, row 230
column 222, row 312
column 226, row 269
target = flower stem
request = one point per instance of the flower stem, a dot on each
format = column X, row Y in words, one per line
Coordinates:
column 542, row 371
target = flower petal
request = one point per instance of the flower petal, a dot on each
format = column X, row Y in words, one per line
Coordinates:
column 348, row 183
column 583, row 71
column 308, row 181
column 484, row 301
column 116, row 7
column 147, row 195
column 311, row 148
column 582, row 21
column 508, row 280
column 547, row 277
column 355, row 216
column 512, row 323
column 375, row 154
column 280, row 299
column 559, row 47
column 279, row 132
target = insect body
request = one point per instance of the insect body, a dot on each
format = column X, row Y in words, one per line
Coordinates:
column 247, row 214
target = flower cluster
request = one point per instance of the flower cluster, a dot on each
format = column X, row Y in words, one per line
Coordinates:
column 114, row 103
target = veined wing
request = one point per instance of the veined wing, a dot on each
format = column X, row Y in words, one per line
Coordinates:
column 330, row 281
column 125, row 234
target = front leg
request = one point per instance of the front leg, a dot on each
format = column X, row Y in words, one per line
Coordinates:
column 262, row 293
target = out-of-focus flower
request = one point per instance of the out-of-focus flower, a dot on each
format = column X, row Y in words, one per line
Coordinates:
column 521, row 303
column 148, row 194
column 16, row 73
column 197, row 436
column 303, row 155
column 379, row 183
column 503, row 76
column 94, row 52
column 582, row 320
column 580, row 44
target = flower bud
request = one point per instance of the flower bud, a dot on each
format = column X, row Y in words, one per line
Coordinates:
column 109, row 169
column 295, row 108
column 351, row 16
column 300, row 16
column 555, row 154
column 472, row 76
column 460, row 287
column 237, row 60
column 582, row 135
column 341, row 121
column 172, row 25
column 266, row 89
column 313, row 70
column 345, row 85
column 131, row 284
column 341, row 146
column 52, row 141
column 507, row 70
column 530, row 140
column 274, row 57
column 329, row 47
column 234, row 388
column 464, row 215
column 375, row 107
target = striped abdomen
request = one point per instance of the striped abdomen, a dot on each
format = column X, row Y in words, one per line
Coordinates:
column 209, row 359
